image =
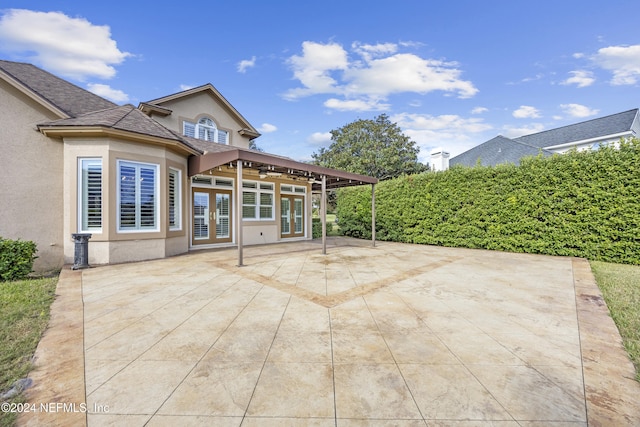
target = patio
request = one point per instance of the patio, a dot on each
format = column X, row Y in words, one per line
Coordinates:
column 399, row 334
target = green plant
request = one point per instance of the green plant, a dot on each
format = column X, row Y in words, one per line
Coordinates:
column 16, row 258
column 584, row 204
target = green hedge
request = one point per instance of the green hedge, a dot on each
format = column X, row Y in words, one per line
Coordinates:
column 584, row 204
column 16, row 258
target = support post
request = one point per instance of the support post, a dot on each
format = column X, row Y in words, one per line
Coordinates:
column 239, row 210
column 373, row 214
column 323, row 214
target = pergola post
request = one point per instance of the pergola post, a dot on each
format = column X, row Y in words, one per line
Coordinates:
column 239, row 210
column 323, row 214
column 373, row 214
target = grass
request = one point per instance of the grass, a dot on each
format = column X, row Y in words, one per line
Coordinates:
column 620, row 286
column 24, row 314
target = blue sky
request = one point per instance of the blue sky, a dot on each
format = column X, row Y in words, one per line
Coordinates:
column 451, row 74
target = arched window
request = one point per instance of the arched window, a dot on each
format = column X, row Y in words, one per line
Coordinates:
column 207, row 130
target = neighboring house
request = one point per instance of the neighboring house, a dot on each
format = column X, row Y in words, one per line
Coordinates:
column 580, row 136
column 173, row 175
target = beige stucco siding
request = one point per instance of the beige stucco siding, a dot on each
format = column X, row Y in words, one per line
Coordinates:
column 192, row 108
column 109, row 245
column 31, row 181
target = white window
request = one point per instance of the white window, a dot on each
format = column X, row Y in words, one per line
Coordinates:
column 293, row 189
column 90, row 195
column 175, row 199
column 257, row 200
column 137, row 196
column 205, row 129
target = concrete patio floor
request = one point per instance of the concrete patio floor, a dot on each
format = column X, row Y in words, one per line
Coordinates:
column 396, row 335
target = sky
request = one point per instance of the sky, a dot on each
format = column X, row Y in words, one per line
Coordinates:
column 450, row 74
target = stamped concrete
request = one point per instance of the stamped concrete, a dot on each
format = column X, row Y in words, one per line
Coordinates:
column 393, row 335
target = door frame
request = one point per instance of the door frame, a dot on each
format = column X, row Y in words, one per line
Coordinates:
column 292, row 220
column 212, row 194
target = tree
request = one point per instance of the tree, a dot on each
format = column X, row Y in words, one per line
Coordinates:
column 375, row 148
column 254, row 146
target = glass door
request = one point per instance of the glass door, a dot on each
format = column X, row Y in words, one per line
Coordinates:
column 291, row 216
column 211, row 216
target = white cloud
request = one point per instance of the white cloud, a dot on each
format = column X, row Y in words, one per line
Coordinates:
column 526, row 112
column 267, row 128
column 72, row 47
column 320, row 138
column 479, row 110
column 377, row 72
column 622, row 61
column 580, row 78
column 107, row 92
column 314, row 68
column 184, row 87
column 356, row 105
column 454, row 133
column 577, row 110
column 246, row 63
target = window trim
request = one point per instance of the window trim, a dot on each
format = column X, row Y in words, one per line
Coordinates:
column 210, row 127
column 82, row 190
column 258, row 190
column 156, row 193
column 177, row 199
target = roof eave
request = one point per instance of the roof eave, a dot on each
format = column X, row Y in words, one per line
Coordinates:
column 101, row 131
column 586, row 141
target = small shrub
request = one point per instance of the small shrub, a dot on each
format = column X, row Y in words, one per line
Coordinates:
column 16, row 258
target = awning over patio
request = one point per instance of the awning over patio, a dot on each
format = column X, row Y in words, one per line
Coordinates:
column 321, row 179
column 276, row 166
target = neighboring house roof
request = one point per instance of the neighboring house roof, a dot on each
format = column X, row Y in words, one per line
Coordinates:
column 602, row 127
column 510, row 150
column 156, row 106
column 59, row 95
column 497, row 151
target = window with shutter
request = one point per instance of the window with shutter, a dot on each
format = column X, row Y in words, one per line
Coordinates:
column 90, row 195
column 257, row 201
column 175, row 199
column 137, row 196
column 206, row 130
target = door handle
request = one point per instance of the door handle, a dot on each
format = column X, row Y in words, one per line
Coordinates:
column 210, row 215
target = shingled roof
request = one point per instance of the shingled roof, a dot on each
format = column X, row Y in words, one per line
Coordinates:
column 614, row 124
column 60, row 94
column 497, row 151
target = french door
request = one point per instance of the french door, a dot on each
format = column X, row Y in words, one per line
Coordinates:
column 291, row 216
column 211, row 216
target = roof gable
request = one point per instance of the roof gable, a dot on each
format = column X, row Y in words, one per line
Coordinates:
column 614, row 124
column 66, row 99
column 161, row 106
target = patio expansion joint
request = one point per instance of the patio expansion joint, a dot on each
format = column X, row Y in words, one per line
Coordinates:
column 333, row 300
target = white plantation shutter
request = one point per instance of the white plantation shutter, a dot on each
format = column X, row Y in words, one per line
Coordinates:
column 175, row 206
column 91, row 194
column 137, row 196
column 189, row 129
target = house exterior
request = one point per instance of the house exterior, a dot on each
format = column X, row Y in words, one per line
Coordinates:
column 588, row 135
column 174, row 174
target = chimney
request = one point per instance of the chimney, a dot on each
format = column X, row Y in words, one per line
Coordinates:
column 439, row 160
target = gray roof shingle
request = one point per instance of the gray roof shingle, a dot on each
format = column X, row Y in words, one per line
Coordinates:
column 497, row 151
column 63, row 95
column 596, row 128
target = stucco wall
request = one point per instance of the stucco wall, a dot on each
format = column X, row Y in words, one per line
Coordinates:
column 192, row 108
column 108, row 245
column 30, row 178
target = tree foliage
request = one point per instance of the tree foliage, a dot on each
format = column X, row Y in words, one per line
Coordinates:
column 584, row 204
column 375, row 148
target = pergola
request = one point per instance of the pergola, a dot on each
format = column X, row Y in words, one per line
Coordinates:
column 321, row 178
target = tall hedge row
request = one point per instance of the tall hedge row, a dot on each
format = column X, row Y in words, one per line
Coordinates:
column 584, row 204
